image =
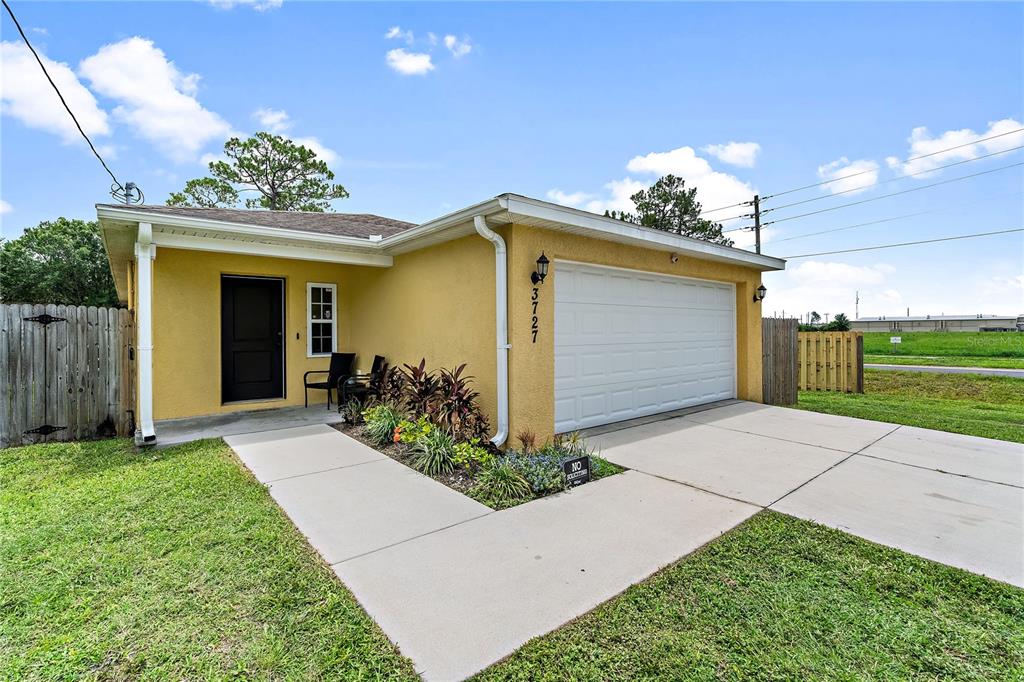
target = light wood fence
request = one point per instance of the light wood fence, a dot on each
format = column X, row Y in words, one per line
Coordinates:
column 75, row 372
column 778, row 360
column 831, row 361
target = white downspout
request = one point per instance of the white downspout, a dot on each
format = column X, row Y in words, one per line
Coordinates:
column 501, row 321
column 145, row 252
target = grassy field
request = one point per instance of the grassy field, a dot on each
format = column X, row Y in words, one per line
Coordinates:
column 988, row 406
column 170, row 565
column 961, row 349
column 783, row 599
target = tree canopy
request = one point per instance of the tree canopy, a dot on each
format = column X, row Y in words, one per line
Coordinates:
column 284, row 175
column 61, row 261
column 670, row 206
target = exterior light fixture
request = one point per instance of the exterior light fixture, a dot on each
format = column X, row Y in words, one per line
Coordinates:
column 542, row 270
column 759, row 294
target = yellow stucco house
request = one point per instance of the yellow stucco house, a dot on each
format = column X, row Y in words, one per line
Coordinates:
column 628, row 321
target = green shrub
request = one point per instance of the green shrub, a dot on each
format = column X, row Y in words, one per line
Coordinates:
column 352, row 411
column 501, row 485
column 434, row 451
column 542, row 470
column 471, row 455
column 409, row 432
column 381, row 422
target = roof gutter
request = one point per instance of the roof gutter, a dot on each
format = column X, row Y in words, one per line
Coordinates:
column 501, row 322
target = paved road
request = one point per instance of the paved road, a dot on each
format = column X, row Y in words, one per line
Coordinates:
column 991, row 371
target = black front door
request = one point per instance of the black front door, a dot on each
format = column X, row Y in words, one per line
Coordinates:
column 252, row 363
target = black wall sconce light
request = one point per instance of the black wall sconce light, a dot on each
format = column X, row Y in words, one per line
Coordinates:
column 542, row 270
column 759, row 294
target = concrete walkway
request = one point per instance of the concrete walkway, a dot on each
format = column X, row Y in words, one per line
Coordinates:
column 940, row 369
column 951, row 498
column 457, row 586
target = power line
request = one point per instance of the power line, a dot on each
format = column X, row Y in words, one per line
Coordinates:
column 722, row 208
column 893, row 246
column 898, row 177
column 893, row 194
column 885, row 220
column 57, row 90
column 913, row 158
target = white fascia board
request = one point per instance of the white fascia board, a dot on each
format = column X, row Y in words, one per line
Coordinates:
column 543, row 210
column 218, row 226
column 299, row 252
column 407, row 239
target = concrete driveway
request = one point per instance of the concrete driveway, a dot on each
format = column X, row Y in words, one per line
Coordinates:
column 954, row 499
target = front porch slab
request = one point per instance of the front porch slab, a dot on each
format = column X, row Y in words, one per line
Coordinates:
column 175, row 431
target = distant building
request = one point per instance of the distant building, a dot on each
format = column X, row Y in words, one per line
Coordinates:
column 940, row 323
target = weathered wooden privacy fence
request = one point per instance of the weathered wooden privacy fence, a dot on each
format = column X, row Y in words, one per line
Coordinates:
column 831, row 361
column 779, row 365
column 68, row 373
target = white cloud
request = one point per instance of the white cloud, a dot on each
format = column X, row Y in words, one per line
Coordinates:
column 857, row 176
column 922, row 142
column 458, row 48
column 40, row 30
column 714, row 188
column 432, row 38
column 619, row 192
column 27, row 96
column 155, row 97
column 208, row 158
column 5, row 207
column 574, row 199
column 409, row 63
column 258, row 5
column 324, row 153
column 827, row 273
column 396, row 33
column 274, row 120
column 742, row 154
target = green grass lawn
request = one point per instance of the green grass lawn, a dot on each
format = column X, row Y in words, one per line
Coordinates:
column 967, row 345
column 168, row 565
column 783, row 599
column 988, row 406
column 947, row 361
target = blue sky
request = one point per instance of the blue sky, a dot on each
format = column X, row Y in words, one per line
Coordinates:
column 580, row 103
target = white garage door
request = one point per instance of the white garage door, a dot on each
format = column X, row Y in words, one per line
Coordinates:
column 631, row 343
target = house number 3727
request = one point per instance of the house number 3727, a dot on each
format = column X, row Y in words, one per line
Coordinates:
column 534, row 324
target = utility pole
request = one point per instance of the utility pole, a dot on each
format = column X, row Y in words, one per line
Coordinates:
column 757, row 222
column 856, row 306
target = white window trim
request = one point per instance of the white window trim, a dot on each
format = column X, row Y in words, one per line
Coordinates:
column 309, row 318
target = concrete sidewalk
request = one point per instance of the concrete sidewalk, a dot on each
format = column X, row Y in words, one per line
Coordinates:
column 459, row 600
column 454, row 584
column 942, row 369
column 345, row 497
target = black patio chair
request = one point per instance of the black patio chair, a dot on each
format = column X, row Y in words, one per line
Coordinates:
column 358, row 385
column 339, row 371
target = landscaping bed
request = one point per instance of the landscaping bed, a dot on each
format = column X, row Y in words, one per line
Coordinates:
column 431, row 421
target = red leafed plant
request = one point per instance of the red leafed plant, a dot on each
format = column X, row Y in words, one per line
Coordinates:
column 457, row 406
column 421, row 389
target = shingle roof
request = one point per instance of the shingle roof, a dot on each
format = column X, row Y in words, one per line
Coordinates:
column 343, row 224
